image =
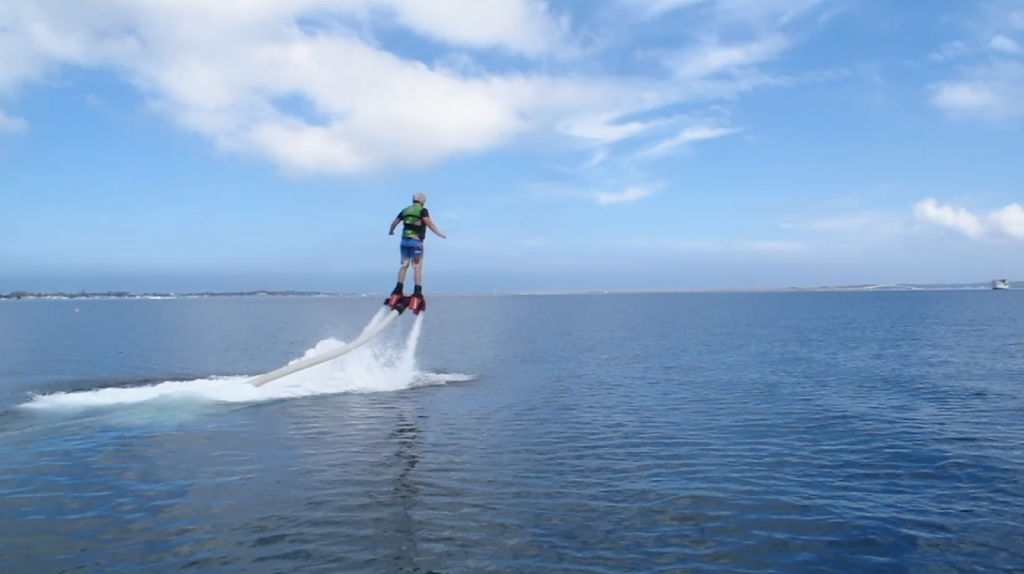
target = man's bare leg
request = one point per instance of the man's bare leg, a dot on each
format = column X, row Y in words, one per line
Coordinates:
column 402, row 270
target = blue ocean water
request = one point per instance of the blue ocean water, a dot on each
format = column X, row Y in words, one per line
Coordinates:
column 696, row 432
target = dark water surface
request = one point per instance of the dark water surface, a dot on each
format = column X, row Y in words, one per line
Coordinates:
column 732, row 432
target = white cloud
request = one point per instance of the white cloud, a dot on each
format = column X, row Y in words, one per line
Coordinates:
column 225, row 68
column 518, row 25
column 950, row 51
column 652, row 8
column 233, row 70
column 762, row 11
column 599, row 156
column 12, row 123
column 630, row 194
column 689, row 135
column 991, row 91
column 713, row 58
column 948, row 216
column 603, row 128
column 964, row 96
column 1003, row 44
column 989, row 85
column 1007, row 221
column 730, row 39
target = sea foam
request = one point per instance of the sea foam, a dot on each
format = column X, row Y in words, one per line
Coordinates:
column 377, row 367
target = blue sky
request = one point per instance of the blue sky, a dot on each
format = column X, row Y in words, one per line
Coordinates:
column 176, row 145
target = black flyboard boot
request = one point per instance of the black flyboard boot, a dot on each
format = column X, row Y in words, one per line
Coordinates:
column 416, row 302
column 401, row 305
column 396, row 299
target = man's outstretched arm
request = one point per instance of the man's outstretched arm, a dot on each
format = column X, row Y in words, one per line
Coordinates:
column 394, row 224
column 433, row 227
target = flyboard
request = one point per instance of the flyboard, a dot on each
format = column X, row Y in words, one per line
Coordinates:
column 398, row 305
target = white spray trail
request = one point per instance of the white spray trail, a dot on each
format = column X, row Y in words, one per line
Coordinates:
column 408, row 361
column 376, row 319
column 374, row 368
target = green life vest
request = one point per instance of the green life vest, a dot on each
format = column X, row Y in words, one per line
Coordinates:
column 413, row 220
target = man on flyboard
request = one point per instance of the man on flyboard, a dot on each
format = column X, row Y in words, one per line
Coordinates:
column 416, row 220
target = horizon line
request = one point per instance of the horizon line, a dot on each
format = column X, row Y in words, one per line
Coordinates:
column 18, row 294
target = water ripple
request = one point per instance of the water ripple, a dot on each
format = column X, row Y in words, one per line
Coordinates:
column 746, row 433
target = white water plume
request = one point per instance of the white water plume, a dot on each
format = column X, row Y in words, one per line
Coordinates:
column 377, row 367
column 381, row 313
column 408, row 361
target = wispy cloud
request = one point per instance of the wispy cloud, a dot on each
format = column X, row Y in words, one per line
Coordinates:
column 603, row 127
column 873, row 223
column 686, row 136
column 761, row 12
column 713, row 58
column 950, row 50
column 534, row 242
column 853, row 228
column 989, row 83
column 766, row 246
column 629, row 194
column 1006, row 14
column 12, row 123
column 773, row 246
column 1003, row 44
column 1007, row 221
column 990, row 91
column 596, row 159
column 204, row 65
column 845, row 222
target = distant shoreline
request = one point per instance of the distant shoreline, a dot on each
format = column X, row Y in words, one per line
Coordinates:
column 26, row 295
column 128, row 295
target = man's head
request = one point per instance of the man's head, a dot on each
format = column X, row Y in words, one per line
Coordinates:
column 419, row 198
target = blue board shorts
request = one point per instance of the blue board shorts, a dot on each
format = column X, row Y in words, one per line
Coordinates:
column 411, row 248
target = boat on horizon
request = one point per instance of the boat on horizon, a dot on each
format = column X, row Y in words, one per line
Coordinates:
column 1000, row 284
